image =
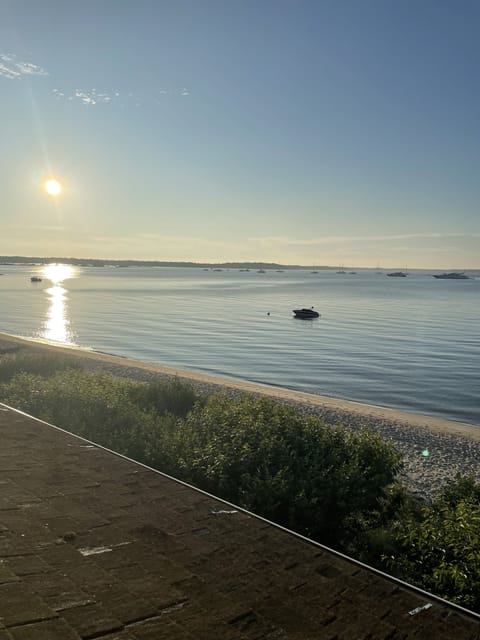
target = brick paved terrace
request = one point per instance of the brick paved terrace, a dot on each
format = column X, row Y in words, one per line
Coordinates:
column 93, row 545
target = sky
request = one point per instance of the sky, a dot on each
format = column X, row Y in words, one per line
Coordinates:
column 309, row 132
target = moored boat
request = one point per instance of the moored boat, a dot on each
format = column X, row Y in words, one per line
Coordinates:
column 453, row 275
column 306, row 314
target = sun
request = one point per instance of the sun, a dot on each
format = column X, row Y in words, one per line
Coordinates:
column 53, row 187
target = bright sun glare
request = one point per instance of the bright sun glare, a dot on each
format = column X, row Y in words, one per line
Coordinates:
column 57, row 273
column 53, row 187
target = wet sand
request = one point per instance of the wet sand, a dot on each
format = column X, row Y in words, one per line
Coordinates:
column 452, row 447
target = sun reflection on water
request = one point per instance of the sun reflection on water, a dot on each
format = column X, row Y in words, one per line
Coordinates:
column 57, row 325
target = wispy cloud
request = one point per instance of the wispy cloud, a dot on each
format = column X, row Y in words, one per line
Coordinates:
column 88, row 96
column 93, row 96
column 13, row 69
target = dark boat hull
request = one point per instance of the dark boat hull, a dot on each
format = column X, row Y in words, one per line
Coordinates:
column 451, row 276
column 306, row 314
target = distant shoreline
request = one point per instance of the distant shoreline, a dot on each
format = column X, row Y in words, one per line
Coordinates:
column 112, row 262
column 109, row 262
column 434, row 449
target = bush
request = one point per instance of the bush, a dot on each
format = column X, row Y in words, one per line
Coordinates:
column 166, row 396
column 43, row 364
column 439, row 549
column 272, row 460
column 461, row 488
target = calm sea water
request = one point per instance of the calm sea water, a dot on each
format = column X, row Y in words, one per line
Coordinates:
column 410, row 343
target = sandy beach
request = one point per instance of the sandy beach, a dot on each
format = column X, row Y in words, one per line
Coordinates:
column 452, row 447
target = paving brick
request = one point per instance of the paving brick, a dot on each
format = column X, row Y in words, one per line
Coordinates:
column 160, row 629
column 58, row 591
column 120, row 635
column 18, row 605
column 27, row 565
column 48, row 630
column 12, row 545
column 126, row 607
column 91, row 621
column 6, row 575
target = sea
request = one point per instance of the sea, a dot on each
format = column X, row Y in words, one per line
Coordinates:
column 408, row 343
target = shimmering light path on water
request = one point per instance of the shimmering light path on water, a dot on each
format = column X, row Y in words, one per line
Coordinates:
column 409, row 343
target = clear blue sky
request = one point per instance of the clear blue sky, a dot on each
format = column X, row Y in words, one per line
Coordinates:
column 296, row 131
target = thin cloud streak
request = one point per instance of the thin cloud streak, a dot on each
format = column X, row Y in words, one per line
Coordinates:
column 13, row 69
column 93, row 96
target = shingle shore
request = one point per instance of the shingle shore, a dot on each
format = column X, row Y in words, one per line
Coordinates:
column 452, row 447
column 93, row 545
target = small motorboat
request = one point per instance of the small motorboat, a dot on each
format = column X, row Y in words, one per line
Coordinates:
column 306, row 314
column 35, row 279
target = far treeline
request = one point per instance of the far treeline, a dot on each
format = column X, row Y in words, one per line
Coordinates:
column 95, row 262
column 331, row 484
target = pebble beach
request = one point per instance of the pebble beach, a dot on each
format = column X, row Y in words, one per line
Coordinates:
column 434, row 450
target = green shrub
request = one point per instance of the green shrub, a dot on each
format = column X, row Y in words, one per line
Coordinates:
column 44, row 364
column 439, row 548
column 270, row 459
column 165, row 396
column 376, row 537
column 461, row 488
